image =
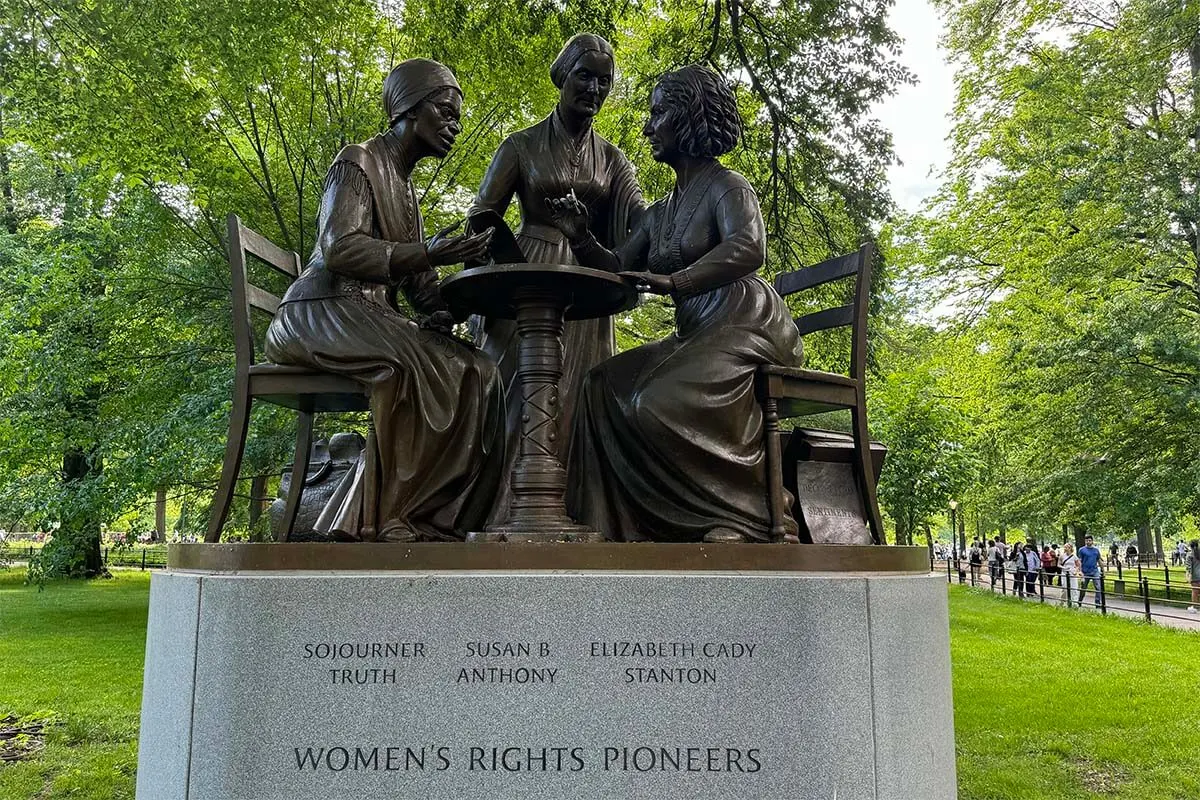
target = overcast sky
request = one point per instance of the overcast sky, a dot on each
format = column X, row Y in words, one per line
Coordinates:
column 918, row 115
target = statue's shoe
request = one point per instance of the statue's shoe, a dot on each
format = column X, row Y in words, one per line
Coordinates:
column 723, row 536
column 396, row 531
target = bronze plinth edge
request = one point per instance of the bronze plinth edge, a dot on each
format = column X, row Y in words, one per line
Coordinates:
column 497, row 556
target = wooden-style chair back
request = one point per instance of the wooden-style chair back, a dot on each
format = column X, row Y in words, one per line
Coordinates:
column 852, row 315
column 246, row 296
column 787, row 392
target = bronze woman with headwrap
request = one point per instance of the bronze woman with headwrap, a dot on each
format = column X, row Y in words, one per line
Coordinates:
column 668, row 441
column 560, row 155
column 437, row 406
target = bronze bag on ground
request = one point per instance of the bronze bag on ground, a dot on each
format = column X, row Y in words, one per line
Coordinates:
column 329, row 463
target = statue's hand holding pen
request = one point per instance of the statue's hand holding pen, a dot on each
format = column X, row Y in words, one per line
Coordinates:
column 570, row 216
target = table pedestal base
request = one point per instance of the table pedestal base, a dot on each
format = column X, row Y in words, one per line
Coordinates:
column 539, row 297
column 539, row 481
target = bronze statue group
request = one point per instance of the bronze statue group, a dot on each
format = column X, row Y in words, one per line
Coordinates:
column 665, row 440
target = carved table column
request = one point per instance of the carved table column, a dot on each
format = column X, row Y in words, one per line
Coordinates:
column 539, row 297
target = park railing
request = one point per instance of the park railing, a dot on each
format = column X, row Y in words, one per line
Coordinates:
column 1145, row 591
column 143, row 558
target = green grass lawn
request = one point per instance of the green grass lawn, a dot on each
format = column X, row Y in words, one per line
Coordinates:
column 1050, row 704
column 74, row 652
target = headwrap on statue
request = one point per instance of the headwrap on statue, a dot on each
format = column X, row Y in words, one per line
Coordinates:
column 574, row 50
column 412, row 81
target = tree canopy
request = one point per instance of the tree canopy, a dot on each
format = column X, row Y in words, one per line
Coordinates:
column 1065, row 241
column 128, row 130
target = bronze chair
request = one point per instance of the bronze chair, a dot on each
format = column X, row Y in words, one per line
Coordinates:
column 788, row 392
column 305, row 391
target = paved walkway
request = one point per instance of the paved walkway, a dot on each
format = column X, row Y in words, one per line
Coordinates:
column 1174, row 615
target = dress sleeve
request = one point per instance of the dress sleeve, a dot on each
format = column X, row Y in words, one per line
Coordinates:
column 741, row 251
column 629, row 256
column 500, row 180
column 346, row 239
column 626, row 207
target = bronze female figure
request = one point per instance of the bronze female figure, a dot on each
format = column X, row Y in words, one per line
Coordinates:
column 437, row 406
column 667, row 442
column 561, row 155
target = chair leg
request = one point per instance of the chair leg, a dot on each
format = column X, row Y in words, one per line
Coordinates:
column 369, row 530
column 776, row 500
column 866, row 472
column 304, row 435
column 235, row 447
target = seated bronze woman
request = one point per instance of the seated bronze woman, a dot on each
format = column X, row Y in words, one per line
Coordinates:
column 668, row 437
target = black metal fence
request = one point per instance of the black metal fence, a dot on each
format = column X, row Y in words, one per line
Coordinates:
column 132, row 557
column 1143, row 590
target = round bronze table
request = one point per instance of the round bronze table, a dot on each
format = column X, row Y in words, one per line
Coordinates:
column 539, row 297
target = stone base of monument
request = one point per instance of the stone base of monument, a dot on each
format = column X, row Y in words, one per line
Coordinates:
column 563, row 672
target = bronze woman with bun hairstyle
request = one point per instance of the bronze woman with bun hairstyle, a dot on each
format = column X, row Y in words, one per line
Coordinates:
column 667, row 443
column 561, row 155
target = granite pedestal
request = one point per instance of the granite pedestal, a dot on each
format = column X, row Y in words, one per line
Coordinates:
column 755, row 672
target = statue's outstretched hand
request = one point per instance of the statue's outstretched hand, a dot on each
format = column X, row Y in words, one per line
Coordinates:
column 569, row 215
column 648, row 282
column 445, row 248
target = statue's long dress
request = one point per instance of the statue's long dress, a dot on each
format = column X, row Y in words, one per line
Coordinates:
column 437, row 405
column 668, row 438
column 541, row 162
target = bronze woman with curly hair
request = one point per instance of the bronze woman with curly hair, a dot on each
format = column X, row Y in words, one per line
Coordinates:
column 667, row 443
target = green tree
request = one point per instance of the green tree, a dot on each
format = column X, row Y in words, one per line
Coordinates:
column 1066, row 238
column 173, row 114
column 928, row 461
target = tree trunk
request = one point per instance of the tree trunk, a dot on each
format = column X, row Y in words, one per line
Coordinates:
column 929, row 540
column 1145, row 540
column 8, row 207
column 258, row 499
column 1158, row 548
column 81, row 529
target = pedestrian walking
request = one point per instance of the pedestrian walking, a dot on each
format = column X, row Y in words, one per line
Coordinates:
column 1089, row 567
column 1017, row 565
column 993, row 564
column 1049, row 565
column 1033, row 568
column 976, row 560
column 1069, row 564
column 1193, row 567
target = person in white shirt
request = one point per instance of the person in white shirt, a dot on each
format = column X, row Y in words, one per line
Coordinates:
column 1069, row 564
